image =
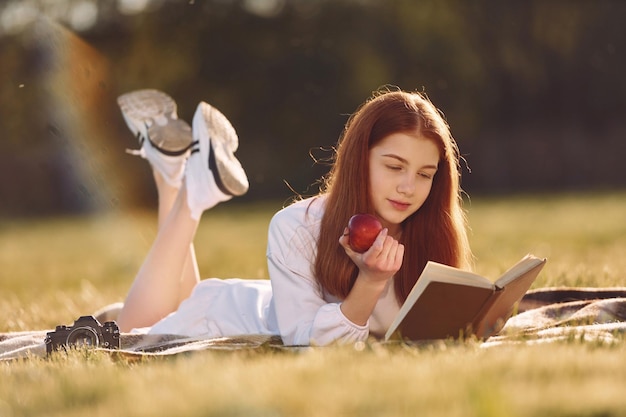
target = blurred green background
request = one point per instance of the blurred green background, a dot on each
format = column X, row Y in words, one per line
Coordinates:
column 533, row 90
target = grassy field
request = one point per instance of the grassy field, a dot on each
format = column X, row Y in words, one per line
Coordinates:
column 55, row 270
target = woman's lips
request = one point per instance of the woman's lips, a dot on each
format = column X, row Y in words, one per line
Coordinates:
column 398, row 205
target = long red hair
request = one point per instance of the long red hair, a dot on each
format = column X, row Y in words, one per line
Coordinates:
column 437, row 231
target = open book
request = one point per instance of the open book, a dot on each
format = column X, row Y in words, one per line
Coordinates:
column 447, row 302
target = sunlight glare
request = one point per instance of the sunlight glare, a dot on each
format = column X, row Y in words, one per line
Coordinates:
column 83, row 15
column 130, row 7
column 16, row 15
column 264, row 8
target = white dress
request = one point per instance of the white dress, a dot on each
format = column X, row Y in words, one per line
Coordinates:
column 290, row 304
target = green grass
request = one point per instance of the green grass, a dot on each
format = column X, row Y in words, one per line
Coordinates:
column 55, row 270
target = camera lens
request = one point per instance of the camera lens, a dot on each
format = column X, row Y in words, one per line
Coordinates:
column 83, row 336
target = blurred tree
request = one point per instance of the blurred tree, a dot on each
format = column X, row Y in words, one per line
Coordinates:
column 532, row 89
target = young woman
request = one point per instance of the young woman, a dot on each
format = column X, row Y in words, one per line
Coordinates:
column 396, row 159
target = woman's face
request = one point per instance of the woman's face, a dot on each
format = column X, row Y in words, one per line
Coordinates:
column 402, row 167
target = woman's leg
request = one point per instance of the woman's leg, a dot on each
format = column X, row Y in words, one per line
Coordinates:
column 156, row 290
column 190, row 275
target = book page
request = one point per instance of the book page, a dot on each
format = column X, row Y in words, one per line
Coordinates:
column 525, row 264
column 444, row 273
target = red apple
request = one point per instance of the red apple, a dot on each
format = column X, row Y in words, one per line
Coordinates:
column 362, row 231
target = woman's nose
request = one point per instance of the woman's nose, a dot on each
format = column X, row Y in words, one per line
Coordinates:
column 407, row 185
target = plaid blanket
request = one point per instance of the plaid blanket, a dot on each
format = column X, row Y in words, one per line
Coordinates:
column 544, row 315
column 551, row 314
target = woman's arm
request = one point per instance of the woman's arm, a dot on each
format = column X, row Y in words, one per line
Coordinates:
column 304, row 317
column 376, row 267
column 304, row 314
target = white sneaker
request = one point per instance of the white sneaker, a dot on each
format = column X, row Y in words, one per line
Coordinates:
column 213, row 174
column 164, row 140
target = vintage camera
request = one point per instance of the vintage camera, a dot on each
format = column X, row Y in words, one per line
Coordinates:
column 86, row 331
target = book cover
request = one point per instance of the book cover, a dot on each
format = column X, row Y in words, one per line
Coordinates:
column 447, row 302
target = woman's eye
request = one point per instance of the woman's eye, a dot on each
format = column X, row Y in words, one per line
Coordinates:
column 394, row 167
column 425, row 175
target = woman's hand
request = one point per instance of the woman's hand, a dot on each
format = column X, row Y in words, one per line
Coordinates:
column 376, row 267
column 380, row 262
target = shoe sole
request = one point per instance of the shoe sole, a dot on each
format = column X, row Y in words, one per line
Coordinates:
column 173, row 139
column 231, row 177
column 157, row 112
